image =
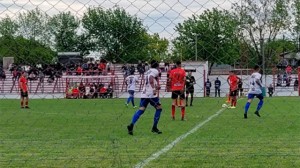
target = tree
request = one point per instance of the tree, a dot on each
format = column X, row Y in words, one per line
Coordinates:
column 64, row 28
column 211, row 36
column 296, row 28
column 262, row 21
column 156, row 48
column 120, row 36
column 33, row 25
column 25, row 51
column 8, row 27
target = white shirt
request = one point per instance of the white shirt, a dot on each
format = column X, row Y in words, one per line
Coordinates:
column 254, row 87
column 131, row 80
column 147, row 91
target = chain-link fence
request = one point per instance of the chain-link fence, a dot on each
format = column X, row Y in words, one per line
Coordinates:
column 80, row 61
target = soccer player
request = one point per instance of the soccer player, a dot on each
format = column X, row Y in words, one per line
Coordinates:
column 24, row 90
column 233, row 87
column 131, row 81
column 189, row 86
column 255, row 90
column 149, row 95
column 177, row 80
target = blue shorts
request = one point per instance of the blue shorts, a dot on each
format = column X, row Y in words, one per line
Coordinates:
column 153, row 102
column 131, row 92
column 259, row 96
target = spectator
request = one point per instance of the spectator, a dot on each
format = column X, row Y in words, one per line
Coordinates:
column 103, row 91
column 207, row 87
column 110, row 91
column 75, row 93
column 288, row 70
column 79, row 70
column 270, row 90
column 217, row 87
column 81, row 90
column 296, row 84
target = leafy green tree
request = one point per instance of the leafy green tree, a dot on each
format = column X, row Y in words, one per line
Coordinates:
column 64, row 28
column 25, row 51
column 261, row 22
column 120, row 36
column 296, row 28
column 211, row 36
column 8, row 27
column 156, row 48
column 33, row 25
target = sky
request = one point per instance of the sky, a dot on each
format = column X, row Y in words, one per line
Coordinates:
column 158, row 16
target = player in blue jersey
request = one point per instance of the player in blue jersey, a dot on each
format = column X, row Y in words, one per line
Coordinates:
column 255, row 90
column 149, row 95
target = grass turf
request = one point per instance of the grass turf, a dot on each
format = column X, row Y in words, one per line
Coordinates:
column 92, row 133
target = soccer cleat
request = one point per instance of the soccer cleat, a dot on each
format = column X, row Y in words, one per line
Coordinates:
column 257, row 113
column 126, row 104
column 22, row 107
column 130, row 129
column 27, row 107
column 186, row 105
column 134, row 107
column 155, row 130
column 173, row 118
column 191, row 105
column 182, row 119
column 245, row 116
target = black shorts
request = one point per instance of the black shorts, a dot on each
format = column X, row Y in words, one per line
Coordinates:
column 177, row 93
column 233, row 93
column 189, row 91
column 24, row 94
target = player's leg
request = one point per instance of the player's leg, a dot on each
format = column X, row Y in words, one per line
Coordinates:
column 155, row 103
column 132, row 99
column 129, row 97
column 250, row 97
column 182, row 102
column 219, row 92
column 187, row 97
column 22, row 100
column 143, row 105
column 234, row 98
column 260, row 104
column 174, row 97
column 26, row 100
column 192, row 97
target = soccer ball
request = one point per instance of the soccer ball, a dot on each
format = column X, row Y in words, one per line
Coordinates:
column 224, row 105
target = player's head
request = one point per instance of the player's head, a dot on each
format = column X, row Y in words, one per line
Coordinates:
column 154, row 64
column 178, row 64
column 231, row 72
column 256, row 68
column 190, row 73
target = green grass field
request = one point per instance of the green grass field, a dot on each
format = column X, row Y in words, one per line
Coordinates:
column 92, row 133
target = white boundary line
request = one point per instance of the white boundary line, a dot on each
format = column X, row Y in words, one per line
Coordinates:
column 177, row 140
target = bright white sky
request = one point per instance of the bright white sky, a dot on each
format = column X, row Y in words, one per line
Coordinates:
column 159, row 16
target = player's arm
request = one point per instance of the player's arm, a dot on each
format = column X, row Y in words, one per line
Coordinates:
column 152, row 84
column 194, row 80
column 258, row 82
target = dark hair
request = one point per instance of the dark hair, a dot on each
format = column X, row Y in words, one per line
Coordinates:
column 154, row 64
column 178, row 63
column 256, row 67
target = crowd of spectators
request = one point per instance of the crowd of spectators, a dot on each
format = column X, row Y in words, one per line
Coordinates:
column 89, row 91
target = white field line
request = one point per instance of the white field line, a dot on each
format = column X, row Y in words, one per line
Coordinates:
column 177, row 140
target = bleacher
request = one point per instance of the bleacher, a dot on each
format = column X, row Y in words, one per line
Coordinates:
column 59, row 85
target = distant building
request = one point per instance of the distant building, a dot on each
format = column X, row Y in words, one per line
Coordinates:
column 289, row 58
column 69, row 57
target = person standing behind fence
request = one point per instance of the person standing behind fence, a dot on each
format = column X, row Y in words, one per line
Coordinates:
column 189, row 87
column 207, row 87
column 217, row 87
